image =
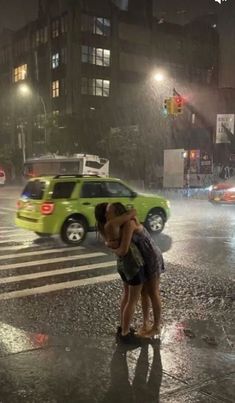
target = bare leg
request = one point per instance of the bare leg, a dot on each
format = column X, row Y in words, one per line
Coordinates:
column 129, row 309
column 154, row 294
column 123, row 302
column 145, row 302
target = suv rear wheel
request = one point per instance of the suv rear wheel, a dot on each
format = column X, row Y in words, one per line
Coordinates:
column 74, row 231
column 155, row 221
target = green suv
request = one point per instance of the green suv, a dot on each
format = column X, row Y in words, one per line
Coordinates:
column 64, row 204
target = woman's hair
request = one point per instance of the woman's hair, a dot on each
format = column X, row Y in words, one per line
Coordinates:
column 119, row 208
column 100, row 216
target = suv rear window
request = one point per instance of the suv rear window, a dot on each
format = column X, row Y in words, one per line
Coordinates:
column 34, row 190
column 63, row 190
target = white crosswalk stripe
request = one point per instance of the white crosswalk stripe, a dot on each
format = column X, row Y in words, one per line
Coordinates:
column 52, row 271
column 35, row 253
column 9, row 230
column 8, row 209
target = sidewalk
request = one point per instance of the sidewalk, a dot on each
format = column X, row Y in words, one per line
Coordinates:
column 189, row 366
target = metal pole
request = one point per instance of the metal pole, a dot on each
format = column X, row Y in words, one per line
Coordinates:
column 45, row 117
column 23, row 142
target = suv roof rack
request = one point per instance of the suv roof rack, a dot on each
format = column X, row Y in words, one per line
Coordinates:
column 77, row 176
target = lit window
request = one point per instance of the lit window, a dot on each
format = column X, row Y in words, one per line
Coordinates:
column 55, row 60
column 20, row 73
column 96, row 25
column 64, row 24
column 55, row 28
column 55, row 89
column 102, row 57
column 101, row 26
column 95, row 86
column 98, row 56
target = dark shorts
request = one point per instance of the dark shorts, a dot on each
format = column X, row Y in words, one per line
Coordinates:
column 138, row 279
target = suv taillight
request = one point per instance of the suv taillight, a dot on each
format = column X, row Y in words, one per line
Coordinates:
column 47, row 208
column 2, row 174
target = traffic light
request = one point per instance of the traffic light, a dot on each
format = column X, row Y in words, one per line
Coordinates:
column 177, row 105
column 167, row 107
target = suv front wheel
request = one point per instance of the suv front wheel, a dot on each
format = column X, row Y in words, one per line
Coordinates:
column 74, row 231
column 155, row 221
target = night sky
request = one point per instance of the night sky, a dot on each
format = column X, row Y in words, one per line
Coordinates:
column 182, row 11
column 15, row 13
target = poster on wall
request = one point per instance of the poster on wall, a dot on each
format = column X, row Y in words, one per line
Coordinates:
column 224, row 128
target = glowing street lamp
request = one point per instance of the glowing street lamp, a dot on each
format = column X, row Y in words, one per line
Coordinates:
column 159, row 77
column 24, row 90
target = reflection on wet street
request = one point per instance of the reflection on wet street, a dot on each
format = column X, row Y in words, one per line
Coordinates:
column 59, row 312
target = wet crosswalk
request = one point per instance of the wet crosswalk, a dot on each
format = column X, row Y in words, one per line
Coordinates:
column 32, row 266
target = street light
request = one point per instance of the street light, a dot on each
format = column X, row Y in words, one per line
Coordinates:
column 25, row 90
column 159, row 76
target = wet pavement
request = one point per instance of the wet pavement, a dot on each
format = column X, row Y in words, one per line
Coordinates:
column 59, row 312
column 36, row 367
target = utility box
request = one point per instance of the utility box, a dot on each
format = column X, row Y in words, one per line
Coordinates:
column 173, row 173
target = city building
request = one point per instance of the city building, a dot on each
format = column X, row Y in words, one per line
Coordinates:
column 88, row 71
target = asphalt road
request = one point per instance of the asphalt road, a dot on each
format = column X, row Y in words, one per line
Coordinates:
column 199, row 250
column 51, row 290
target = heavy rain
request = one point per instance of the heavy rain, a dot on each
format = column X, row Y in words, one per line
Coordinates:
column 117, row 201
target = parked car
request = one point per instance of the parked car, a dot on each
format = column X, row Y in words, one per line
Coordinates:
column 2, row 177
column 223, row 193
column 64, row 204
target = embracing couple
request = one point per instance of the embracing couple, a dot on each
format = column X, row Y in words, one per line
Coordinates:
column 139, row 263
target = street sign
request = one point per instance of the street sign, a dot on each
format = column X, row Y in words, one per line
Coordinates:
column 224, row 127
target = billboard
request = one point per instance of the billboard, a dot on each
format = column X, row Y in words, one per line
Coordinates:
column 224, row 128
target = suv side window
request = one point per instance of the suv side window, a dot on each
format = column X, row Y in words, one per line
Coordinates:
column 116, row 189
column 63, row 190
column 93, row 189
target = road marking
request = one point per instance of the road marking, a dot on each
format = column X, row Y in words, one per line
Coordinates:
column 25, row 245
column 6, row 227
column 18, row 235
column 1, row 213
column 8, row 209
column 48, row 261
column 11, row 230
column 8, row 240
column 42, row 252
column 58, row 286
column 51, row 273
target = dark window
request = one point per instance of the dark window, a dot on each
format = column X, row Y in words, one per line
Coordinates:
column 63, row 190
column 115, row 189
column 55, row 28
column 93, row 189
column 34, row 190
column 94, row 164
column 64, row 24
column 69, row 167
column 63, row 55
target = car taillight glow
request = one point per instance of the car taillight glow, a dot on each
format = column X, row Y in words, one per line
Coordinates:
column 47, row 208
